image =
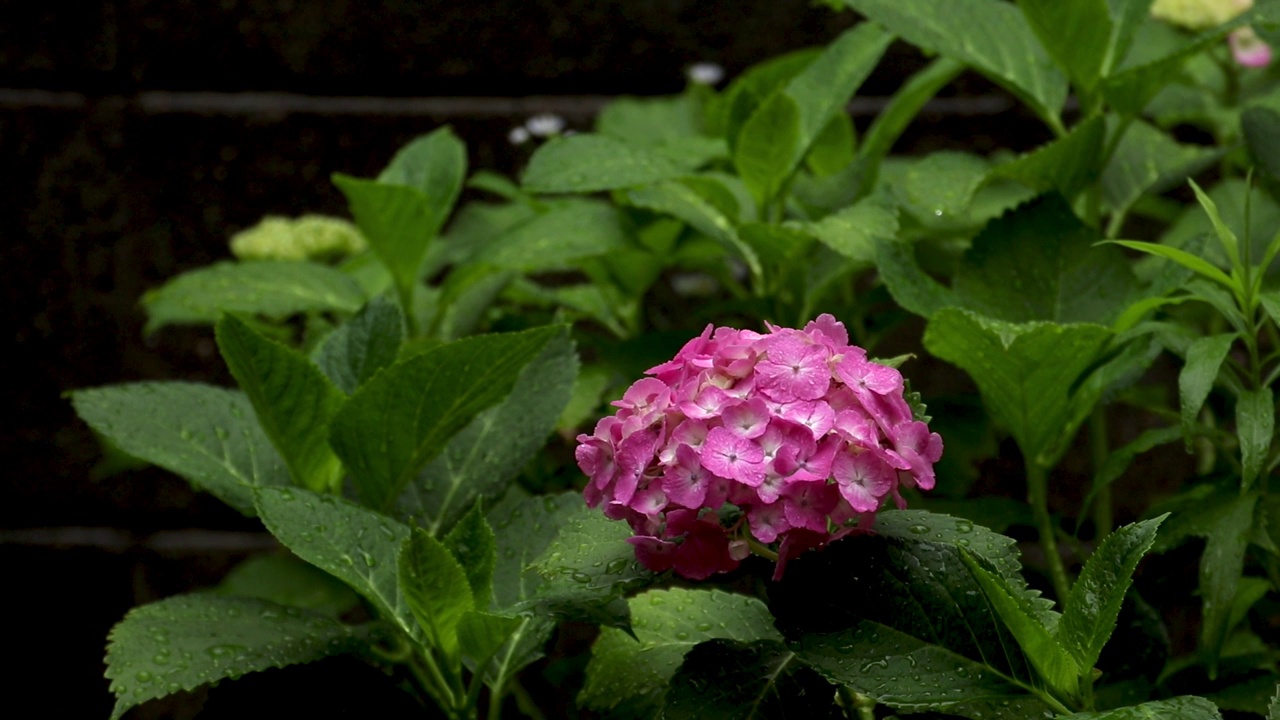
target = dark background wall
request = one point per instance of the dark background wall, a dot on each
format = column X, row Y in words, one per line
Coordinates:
column 137, row 135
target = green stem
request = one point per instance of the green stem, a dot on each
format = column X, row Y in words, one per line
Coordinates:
column 1038, row 497
column 1102, row 508
column 525, row 701
column 761, row 550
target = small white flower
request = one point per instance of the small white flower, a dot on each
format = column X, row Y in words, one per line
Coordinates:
column 545, row 125
column 705, row 73
column 518, row 136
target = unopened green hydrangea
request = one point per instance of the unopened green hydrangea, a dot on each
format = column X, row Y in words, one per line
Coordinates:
column 310, row 237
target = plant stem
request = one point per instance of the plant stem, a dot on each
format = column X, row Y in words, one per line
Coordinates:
column 1038, row 497
column 525, row 701
column 761, row 550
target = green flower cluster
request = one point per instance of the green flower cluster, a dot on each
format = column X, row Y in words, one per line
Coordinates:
column 310, row 237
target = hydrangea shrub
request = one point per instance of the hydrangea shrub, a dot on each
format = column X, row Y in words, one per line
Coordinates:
column 790, row 437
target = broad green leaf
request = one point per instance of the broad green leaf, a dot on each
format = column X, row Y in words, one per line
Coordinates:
column 465, row 295
column 1187, row 707
column 729, row 111
column 762, row 679
column 1149, row 160
column 940, row 186
column 911, row 288
column 291, row 398
column 1127, row 16
column 991, row 37
column 472, row 543
column 999, row 551
column 363, row 345
column 649, row 121
column 667, row 624
column 1094, row 604
column 904, row 621
column 557, row 239
column 481, row 459
column 587, row 163
column 435, row 587
column 768, row 146
column 186, row 641
column 1203, row 360
column 1255, row 424
column 206, row 434
column 273, row 289
column 481, row 635
column 682, row 201
column 1251, row 695
column 1075, row 34
column 778, row 246
column 1052, row 661
column 1129, row 91
column 853, row 231
column 399, row 221
column 524, row 526
column 402, row 418
column 436, row 164
column 1067, row 164
column 1039, row 262
column 288, row 581
column 587, row 568
column 834, row 147
column 1025, row 373
column 1261, row 126
column 356, row 545
column 1271, row 303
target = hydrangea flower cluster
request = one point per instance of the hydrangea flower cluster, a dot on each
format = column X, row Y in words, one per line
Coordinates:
column 746, row 439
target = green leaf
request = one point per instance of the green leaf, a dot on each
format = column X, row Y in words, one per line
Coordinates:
column 435, row 587
column 909, row 286
column 402, row 418
column 649, row 121
column 904, row 621
column 941, row 185
column 1187, row 707
column 288, row 581
column 833, row 148
column 1255, row 424
column 356, row 545
column 481, row 635
column 587, row 163
column 186, row 641
column 436, row 164
column 482, row 459
column 853, row 231
column 728, row 678
column 1182, row 257
column 273, row 289
column 1204, row 359
column 362, row 346
column 1148, row 160
column 465, row 295
column 1094, row 604
column 991, row 37
column 1118, row 460
column 1040, row 262
column 206, row 434
column 683, row 201
column 1025, row 373
column 587, row 568
column 1051, row 660
column 727, row 113
column 1261, row 126
column 1271, row 303
column 999, row 551
column 768, row 146
column 472, row 543
column 559, row 238
column 292, row 400
column 778, row 246
column 1230, row 243
column 399, row 222
column 1067, row 164
column 667, row 624
column 524, row 526
column 1273, row 709
column 1075, row 34
column 1127, row 16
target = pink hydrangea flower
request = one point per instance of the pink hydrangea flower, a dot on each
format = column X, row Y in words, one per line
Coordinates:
column 791, row 438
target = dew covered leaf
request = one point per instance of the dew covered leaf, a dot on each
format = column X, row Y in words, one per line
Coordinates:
column 1067, row 164
column 206, row 434
column 667, row 623
column 291, row 398
column 272, row 289
column 560, row 238
column 186, row 641
column 1148, row 160
column 750, row 680
column 434, row 164
column 1187, row 707
column 483, row 458
column 399, row 222
column 286, row 580
column 354, row 544
column 436, row 589
column 362, row 346
column 587, row 162
column 404, row 417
